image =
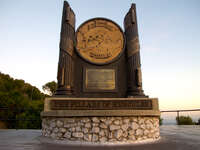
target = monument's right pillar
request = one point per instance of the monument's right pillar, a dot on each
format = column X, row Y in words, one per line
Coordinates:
column 134, row 88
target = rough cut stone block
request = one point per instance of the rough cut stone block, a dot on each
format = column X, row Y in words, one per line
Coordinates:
column 124, row 127
column 102, row 133
column 114, row 127
column 139, row 132
column 77, row 134
column 78, row 128
column 88, row 137
column 72, row 129
column 59, row 123
column 88, row 125
column 85, row 130
column 118, row 133
column 55, row 130
column 53, row 124
column 95, row 119
column 63, row 130
column 134, row 125
column 67, row 135
column 95, row 137
column 103, row 139
column 95, row 129
column 126, row 120
column 131, row 132
column 116, row 122
column 103, row 125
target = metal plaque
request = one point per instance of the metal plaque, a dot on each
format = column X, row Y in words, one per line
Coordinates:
column 99, row 41
column 100, row 79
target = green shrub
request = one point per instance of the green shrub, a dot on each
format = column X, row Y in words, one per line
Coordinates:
column 184, row 120
column 160, row 120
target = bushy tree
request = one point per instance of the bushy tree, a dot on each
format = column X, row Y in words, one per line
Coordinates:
column 19, row 101
column 50, row 87
column 160, row 121
column 184, row 120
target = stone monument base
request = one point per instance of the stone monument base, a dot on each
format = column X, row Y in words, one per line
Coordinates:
column 101, row 125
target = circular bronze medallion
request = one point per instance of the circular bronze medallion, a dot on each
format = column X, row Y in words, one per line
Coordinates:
column 99, row 41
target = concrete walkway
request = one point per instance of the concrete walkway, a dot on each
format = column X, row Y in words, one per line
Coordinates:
column 172, row 138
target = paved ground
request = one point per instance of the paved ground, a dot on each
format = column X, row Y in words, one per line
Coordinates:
column 173, row 138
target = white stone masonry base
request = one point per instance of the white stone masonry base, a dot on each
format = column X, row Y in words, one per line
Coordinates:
column 101, row 129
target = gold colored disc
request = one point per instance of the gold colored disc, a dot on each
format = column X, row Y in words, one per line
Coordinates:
column 99, row 41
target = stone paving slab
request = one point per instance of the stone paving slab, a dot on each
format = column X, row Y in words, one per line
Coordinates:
column 172, row 138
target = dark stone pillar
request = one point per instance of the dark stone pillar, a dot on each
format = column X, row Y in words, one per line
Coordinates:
column 66, row 62
column 133, row 54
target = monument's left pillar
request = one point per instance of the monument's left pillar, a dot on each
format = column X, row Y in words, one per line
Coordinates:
column 66, row 63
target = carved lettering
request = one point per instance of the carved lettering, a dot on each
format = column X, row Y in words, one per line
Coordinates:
column 101, row 104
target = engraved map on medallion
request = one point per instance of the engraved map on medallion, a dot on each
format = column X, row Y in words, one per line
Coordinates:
column 99, row 41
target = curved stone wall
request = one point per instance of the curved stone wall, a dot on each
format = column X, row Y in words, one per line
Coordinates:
column 101, row 129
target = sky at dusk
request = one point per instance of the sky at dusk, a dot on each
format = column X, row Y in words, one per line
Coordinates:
column 169, row 34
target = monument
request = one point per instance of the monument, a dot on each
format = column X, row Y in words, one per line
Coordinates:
column 99, row 96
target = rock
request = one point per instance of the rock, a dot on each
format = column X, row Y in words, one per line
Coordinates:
column 144, row 137
column 88, row 137
column 103, row 119
column 59, row 134
column 69, row 125
column 134, row 125
column 147, row 121
column 125, row 134
column 70, row 120
column 72, row 129
column 59, row 123
column 135, row 119
column 139, row 138
column 78, row 128
column 141, row 121
column 95, row 119
column 116, row 122
column 103, row 139
column 55, row 130
column 103, row 125
column 114, row 127
column 157, row 134
column 102, row 133
column 77, row 134
column 63, row 130
column 124, row 127
column 126, row 121
column 95, row 137
column 108, row 122
column 53, row 135
column 139, row 132
column 146, row 132
column 95, row 124
column 67, row 135
column 53, row 124
column 131, row 132
column 80, row 124
column 132, row 138
column 85, row 130
column 88, row 125
column 95, row 129
column 84, row 120
column 112, row 140
column 110, row 135
column 118, row 133
column 149, row 125
column 143, row 126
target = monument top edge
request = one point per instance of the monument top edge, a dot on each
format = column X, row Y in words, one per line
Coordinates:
column 90, row 98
